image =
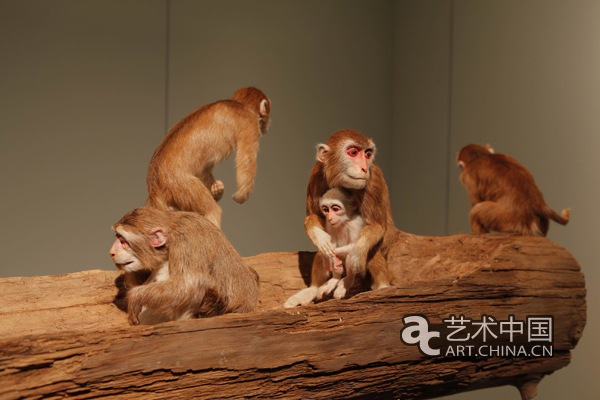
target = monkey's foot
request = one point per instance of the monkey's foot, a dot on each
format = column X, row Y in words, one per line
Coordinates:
column 343, row 287
column 381, row 285
column 302, row 298
column 217, row 190
column 327, row 288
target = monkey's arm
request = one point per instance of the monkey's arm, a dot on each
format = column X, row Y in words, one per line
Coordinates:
column 369, row 237
column 471, row 187
column 133, row 279
column 318, row 236
column 245, row 160
column 344, row 250
column 166, row 298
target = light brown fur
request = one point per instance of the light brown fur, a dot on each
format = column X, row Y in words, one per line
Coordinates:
column 503, row 194
column 180, row 172
column 373, row 204
column 202, row 274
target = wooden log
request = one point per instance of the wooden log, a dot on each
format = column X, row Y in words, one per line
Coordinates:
column 68, row 336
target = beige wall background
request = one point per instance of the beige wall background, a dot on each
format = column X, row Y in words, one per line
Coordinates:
column 88, row 90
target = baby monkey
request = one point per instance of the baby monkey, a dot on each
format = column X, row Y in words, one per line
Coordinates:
column 343, row 224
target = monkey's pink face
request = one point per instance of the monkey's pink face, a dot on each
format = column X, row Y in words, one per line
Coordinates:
column 347, row 163
column 358, row 162
column 122, row 254
column 334, row 212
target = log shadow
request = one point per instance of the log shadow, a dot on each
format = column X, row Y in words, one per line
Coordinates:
column 120, row 299
column 305, row 262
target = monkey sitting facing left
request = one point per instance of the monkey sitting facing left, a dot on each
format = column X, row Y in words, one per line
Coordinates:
column 194, row 270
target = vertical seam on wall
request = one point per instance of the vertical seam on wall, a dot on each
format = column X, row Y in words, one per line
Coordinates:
column 391, row 169
column 392, row 86
column 167, row 59
column 449, row 128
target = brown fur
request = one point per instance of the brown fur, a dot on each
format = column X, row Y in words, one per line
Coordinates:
column 373, row 205
column 206, row 275
column 180, row 173
column 503, row 194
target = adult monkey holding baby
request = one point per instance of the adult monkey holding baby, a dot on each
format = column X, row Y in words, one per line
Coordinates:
column 347, row 161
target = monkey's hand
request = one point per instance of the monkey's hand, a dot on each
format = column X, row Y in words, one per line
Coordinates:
column 328, row 264
column 133, row 313
column 337, row 265
column 322, row 241
column 217, row 190
column 240, row 197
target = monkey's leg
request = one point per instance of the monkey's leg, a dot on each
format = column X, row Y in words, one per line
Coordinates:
column 167, row 298
column 490, row 216
column 329, row 285
column 380, row 272
column 344, row 285
column 217, row 190
column 245, row 160
column 482, row 216
column 318, row 278
column 216, row 187
column 192, row 195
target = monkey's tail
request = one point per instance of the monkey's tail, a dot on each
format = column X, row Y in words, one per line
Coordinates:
column 553, row 215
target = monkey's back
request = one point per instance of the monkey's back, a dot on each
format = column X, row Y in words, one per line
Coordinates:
column 199, row 141
column 212, row 261
column 503, row 179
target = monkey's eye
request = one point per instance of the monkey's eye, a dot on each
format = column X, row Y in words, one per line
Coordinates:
column 352, row 151
column 369, row 154
column 325, row 209
column 336, row 208
column 123, row 241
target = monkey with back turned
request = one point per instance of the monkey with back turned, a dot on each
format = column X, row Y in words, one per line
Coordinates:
column 180, row 172
column 503, row 194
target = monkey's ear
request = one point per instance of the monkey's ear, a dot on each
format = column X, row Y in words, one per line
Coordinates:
column 322, row 150
column 158, row 237
column 461, row 164
column 490, row 148
column 263, row 108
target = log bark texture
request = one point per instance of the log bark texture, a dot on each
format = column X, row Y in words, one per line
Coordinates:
column 68, row 336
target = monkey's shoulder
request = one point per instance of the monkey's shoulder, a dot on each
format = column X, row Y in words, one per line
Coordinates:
column 188, row 221
column 317, row 182
column 499, row 167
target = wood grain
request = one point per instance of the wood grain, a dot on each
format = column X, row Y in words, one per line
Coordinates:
column 68, row 336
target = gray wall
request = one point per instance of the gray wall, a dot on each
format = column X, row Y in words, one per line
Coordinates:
column 524, row 77
column 90, row 88
column 82, row 94
column 324, row 65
